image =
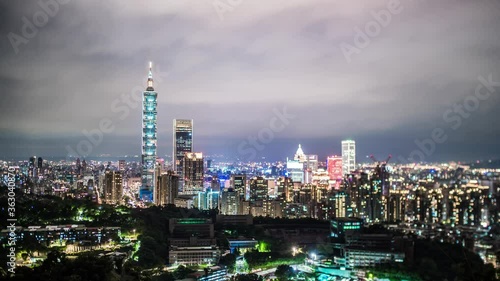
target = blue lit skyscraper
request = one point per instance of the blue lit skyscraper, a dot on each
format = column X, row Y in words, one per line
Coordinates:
column 149, row 140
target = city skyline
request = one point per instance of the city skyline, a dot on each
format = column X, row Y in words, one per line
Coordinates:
column 207, row 78
column 334, row 140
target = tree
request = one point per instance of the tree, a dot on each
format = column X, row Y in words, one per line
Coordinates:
column 182, row 272
column 248, row 277
column 284, row 272
column 147, row 258
column 229, row 261
column 165, row 276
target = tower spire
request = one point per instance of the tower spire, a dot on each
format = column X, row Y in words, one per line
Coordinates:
column 150, row 77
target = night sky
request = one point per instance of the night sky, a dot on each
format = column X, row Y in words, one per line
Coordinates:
column 230, row 65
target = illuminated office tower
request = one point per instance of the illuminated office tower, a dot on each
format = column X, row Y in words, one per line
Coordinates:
column 149, row 140
column 285, row 188
column 238, row 183
column 206, row 200
column 375, row 201
column 295, row 170
column 258, row 189
column 310, row 166
column 183, row 142
column 348, row 156
column 229, row 202
column 112, row 187
column 341, row 205
column 192, row 170
column 166, row 188
column 32, row 167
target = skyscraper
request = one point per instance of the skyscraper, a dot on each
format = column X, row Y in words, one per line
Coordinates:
column 348, row 156
column 112, row 187
column 32, row 167
column 229, row 202
column 40, row 163
column 341, row 205
column 284, row 188
column 183, row 142
column 310, row 166
column 258, row 189
column 193, row 170
column 295, row 170
column 238, row 183
column 334, row 164
column 166, row 189
column 149, row 139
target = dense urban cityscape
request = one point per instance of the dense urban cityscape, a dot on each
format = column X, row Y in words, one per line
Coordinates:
column 284, row 140
column 302, row 218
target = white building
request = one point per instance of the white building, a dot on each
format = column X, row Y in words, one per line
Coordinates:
column 295, row 170
column 348, row 156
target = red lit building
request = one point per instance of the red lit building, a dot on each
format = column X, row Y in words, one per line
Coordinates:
column 334, row 164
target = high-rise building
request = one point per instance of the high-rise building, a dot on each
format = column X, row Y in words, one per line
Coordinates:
column 40, row 163
column 183, row 143
column 273, row 208
column 299, row 155
column 78, row 166
column 207, row 200
column 295, row 170
column 229, row 202
column 238, row 183
column 341, row 205
column 121, row 165
column 32, row 167
column 348, row 156
column 166, row 189
column 149, row 139
column 112, row 187
column 334, row 164
column 310, row 166
column 285, row 188
column 192, row 169
column 258, row 189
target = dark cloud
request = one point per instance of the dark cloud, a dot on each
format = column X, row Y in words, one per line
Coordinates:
column 229, row 75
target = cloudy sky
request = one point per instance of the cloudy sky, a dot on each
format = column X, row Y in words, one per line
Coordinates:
column 232, row 64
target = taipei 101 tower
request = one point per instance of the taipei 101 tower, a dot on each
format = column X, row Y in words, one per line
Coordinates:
column 149, row 139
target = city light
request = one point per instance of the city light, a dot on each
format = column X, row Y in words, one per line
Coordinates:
column 337, row 141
